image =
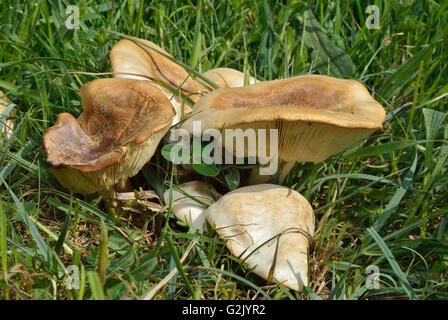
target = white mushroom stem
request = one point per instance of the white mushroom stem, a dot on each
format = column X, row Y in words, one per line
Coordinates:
column 284, row 168
column 188, row 205
column 109, row 195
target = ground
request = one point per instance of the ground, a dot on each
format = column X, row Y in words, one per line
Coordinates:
column 381, row 206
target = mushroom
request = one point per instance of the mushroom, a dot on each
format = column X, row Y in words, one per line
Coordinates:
column 189, row 205
column 118, row 132
column 226, row 78
column 7, row 126
column 144, row 60
column 270, row 228
column 316, row 116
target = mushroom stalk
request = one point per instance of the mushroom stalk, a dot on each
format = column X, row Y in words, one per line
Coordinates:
column 284, row 168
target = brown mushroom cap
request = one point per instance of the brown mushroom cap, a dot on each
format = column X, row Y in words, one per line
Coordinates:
column 122, row 124
column 317, row 116
column 132, row 57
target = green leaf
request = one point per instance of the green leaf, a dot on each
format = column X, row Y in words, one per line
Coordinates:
column 4, row 248
column 141, row 272
column 232, row 178
column 95, row 285
column 330, row 60
column 171, row 155
column 209, row 170
column 433, row 123
column 154, row 180
column 45, row 251
column 61, row 238
column 197, row 41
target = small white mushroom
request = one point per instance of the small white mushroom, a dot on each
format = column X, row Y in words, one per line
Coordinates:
column 269, row 227
column 188, row 210
column 6, row 125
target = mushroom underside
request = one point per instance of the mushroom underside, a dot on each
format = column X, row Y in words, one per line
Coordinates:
column 297, row 141
column 118, row 132
column 136, row 155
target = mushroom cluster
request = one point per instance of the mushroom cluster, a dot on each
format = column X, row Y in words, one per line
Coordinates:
column 269, row 227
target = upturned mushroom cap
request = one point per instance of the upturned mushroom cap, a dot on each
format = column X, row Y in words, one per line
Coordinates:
column 7, row 125
column 316, row 116
column 188, row 210
column 267, row 226
column 118, row 132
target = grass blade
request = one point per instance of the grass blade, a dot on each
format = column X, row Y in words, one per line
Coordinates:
column 393, row 263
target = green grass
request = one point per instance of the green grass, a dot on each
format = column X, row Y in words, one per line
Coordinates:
column 383, row 202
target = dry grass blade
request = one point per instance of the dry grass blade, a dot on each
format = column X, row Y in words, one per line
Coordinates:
column 127, row 196
column 165, row 280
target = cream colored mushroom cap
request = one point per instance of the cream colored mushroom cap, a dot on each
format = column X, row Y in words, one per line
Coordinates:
column 134, row 60
column 316, row 116
column 127, row 56
column 118, row 132
column 7, row 125
column 269, row 216
column 227, row 77
column 188, row 210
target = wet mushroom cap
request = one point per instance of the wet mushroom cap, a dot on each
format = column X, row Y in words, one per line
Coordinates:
column 118, row 132
column 316, row 116
column 264, row 224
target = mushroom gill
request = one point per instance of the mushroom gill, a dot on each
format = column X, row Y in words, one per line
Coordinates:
column 118, row 132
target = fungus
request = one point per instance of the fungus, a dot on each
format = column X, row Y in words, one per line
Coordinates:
column 118, row 132
column 189, row 205
column 269, row 227
column 316, row 116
